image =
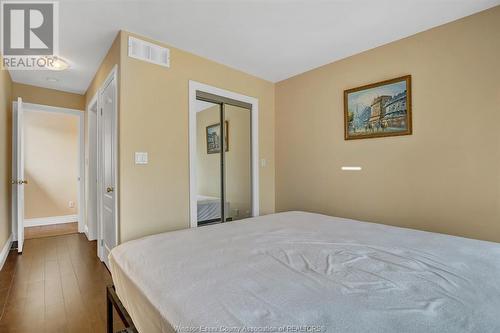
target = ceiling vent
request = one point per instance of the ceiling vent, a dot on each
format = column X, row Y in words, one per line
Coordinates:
column 140, row 49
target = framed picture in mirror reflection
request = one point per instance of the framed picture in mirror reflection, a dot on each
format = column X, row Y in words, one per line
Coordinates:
column 213, row 138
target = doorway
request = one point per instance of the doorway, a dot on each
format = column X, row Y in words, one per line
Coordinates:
column 223, row 141
column 47, row 171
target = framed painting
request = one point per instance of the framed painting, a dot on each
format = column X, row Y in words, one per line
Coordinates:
column 213, row 138
column 379, row 109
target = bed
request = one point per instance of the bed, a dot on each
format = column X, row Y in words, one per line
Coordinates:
column 209, row 208
column 305, row 272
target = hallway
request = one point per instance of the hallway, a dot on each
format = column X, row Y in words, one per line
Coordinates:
column 56, row 285
column 50, row 230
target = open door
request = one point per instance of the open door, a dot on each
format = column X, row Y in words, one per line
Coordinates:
column 18, row 180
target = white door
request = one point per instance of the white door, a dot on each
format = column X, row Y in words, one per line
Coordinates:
column 18, row 181
column 108, row 190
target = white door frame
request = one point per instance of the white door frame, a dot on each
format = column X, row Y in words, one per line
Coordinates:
column 91, row 230
column 30, row 107
column 113, row 74
column 18, row 173
column 197, row 86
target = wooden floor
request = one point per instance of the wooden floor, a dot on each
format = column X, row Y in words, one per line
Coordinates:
column 51, row 230
column 57, row 285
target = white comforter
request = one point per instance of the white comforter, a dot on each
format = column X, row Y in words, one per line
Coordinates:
column 296, row 270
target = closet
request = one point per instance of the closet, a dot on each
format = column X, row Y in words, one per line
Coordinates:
column 224, row 159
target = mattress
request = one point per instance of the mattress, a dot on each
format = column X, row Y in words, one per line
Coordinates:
column 209, row 208
column 307, row 272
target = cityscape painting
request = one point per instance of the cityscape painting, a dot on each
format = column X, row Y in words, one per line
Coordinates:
column 379, row 109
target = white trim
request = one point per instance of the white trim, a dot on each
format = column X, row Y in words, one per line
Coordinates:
column 20, row 172
column 30, row 107
column 48, row 108
column 5, row 251
column 91, row 232
column 81, row 172
column 36, row 222
column 99, row 180
column 14, row 177
column 193, row 87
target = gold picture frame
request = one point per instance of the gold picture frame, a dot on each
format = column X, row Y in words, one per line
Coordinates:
column 379, row 109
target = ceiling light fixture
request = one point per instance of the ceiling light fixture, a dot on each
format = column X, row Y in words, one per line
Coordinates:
column 56, row 64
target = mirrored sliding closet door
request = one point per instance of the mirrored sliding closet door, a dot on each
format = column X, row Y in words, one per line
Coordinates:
column 238, row 162
column 224, row 168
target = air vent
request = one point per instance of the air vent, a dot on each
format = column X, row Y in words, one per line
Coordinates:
column 140, row 49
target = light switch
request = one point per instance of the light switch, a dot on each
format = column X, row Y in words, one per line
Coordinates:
column 263, row 162
column 141, row 158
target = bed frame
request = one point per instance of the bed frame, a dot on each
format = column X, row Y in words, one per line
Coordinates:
column 114, row 302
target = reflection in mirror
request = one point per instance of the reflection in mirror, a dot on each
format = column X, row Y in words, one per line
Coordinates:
column 238, row 173
column 208, row 162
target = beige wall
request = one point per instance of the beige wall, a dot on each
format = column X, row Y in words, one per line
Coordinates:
column 443, row 178
column 5, row 155
column 51, row 164
column 238, row 159
column 44, row 96
column 111, row 59
column 154, row 118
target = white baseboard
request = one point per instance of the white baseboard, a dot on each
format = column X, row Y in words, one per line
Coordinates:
column 50, row 220
column 5, row 251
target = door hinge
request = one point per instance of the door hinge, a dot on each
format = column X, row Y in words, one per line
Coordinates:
column 101, row 111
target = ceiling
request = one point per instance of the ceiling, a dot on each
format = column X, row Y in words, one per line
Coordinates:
column 271, row 39
column 202, row 105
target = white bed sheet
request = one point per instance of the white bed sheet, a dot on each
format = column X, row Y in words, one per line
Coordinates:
column 303, row 269
column 208, row 208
